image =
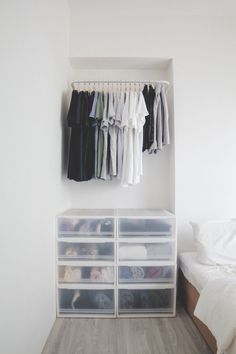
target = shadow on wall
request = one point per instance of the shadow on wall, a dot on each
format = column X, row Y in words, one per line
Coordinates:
column 185, row 236
column 65, row 133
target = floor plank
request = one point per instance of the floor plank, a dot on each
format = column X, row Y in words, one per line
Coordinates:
column 126, row 336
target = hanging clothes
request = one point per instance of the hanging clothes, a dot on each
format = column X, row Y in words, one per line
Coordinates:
column 141, row 114
column 157, row 121
column 156, row 128
column 133, row 120
column 127, row 124
column 161, row 120
column 166, row 131
column 96, row 132
column 81, row 154
column 100, row 147
column 111, row 128
column 120, row 133
column 104, row 132
column 148, row 130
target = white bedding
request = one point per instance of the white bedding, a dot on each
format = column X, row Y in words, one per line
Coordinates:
column 217, row 303
column 200, row 274
column 216, row 308
column 215, row 241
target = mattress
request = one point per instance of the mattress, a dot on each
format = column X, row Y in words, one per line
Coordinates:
column 199, row 274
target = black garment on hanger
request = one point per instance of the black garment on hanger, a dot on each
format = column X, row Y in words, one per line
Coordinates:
column 82, row 145
column 148, row 128
column 145, row 127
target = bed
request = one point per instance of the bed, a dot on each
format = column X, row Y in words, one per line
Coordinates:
column 193, row 277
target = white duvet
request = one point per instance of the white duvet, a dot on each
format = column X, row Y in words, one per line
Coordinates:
column 216, row 308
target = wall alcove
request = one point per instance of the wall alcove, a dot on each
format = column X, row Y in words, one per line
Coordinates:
column 157, row 189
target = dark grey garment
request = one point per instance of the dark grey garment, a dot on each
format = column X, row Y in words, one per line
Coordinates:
column 126, row 299
column 105, row 163
column 94, row 106
column 100, row 134
column 104, row 127
column 96, row 152
column 159, row 125
column 161, row 119
column 102, row 301
column 93, row 115
column 157, row 119
column 166, row 132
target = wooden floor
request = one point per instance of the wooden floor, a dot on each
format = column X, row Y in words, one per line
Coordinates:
column 126, row 336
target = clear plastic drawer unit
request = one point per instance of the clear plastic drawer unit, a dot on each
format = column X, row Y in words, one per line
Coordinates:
column 116, row 263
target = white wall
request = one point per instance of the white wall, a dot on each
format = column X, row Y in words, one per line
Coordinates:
column 33, row 71
column 203, row 48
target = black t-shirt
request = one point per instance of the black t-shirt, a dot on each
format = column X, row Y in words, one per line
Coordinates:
column 148, row 128
column 81, row 154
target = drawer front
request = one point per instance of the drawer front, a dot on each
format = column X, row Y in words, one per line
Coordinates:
column 146, row 251
column 68, row 274
column 146, row 227
column 86, row 301
column 86, row 251
column 143, row 274
column 103, row 227
column 145, row 301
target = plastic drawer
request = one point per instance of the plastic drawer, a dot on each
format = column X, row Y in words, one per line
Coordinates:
column 146, row 251
column 132, row 301
column 146, row 227
column 86, row 301
column 144, row 274
column 94, row 227
column 86, row 251
column 77, row 274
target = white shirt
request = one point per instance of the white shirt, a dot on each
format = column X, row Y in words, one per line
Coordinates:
column 140, row 113
column 133, row 119
column 120, row 102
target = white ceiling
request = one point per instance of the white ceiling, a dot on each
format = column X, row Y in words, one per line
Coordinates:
column 161, row 7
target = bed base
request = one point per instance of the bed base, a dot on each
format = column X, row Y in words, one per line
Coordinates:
column 188, row 296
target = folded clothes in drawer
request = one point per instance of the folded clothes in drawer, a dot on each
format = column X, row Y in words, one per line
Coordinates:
column 147, row 251
column 86, row 301
column 157, row 300
column 146, row 226
column 134, row 251
column 83, row 227
column 159, row 250
column 76, row 250
column 143, row 274
column 75, row 274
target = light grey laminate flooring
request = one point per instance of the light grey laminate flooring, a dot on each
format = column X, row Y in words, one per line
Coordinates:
column 126, row 336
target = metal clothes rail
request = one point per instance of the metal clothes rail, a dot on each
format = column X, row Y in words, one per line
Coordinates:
column 120, row 82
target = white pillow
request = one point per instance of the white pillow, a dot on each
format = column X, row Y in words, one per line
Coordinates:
column 215, row 242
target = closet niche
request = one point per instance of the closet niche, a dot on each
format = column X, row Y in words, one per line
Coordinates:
column 156, row 189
